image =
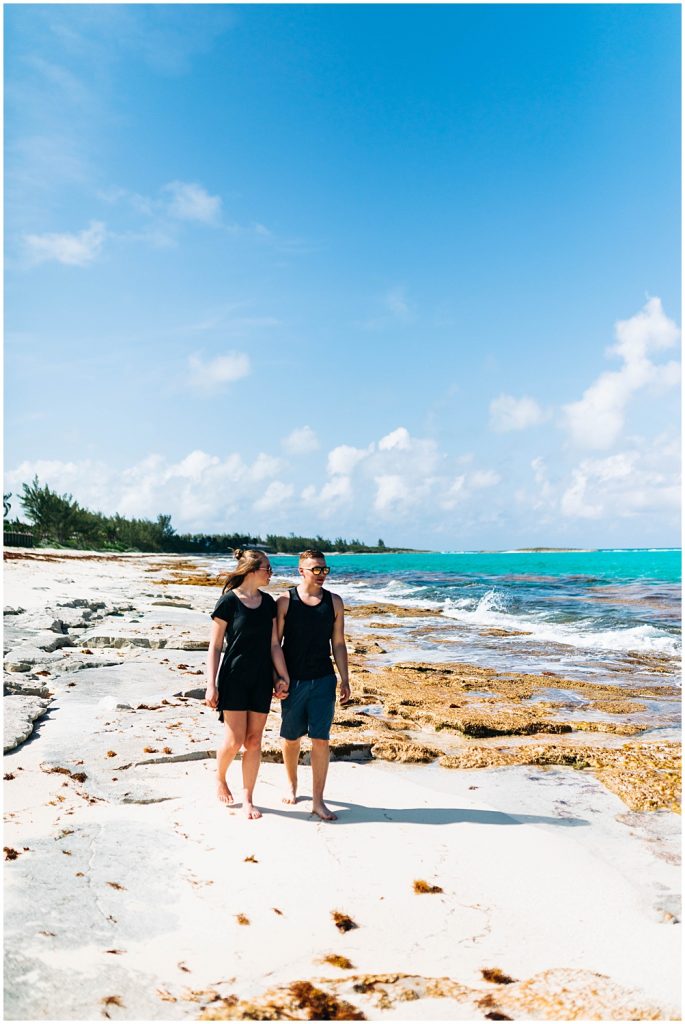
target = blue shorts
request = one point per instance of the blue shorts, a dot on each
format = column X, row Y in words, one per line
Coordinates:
column 308, row 708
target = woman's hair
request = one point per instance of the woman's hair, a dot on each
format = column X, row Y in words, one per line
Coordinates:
column 248, row 559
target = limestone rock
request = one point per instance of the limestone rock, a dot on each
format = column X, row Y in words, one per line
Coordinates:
column 24, row 658
column 52, row 641
column 26, row 688
column 173, row 604
column 187, row 643
column 120, row 640
column 20, row 712
column 82, row 602
column 197, row 693
column 110, row 703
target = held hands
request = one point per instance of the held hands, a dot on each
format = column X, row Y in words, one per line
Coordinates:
column 211, row 696
column 281, row 688
column 345, row 693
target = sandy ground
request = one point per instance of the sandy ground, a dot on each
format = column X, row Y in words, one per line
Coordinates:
column 131, row 894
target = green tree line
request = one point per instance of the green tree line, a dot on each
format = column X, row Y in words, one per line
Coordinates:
column 58, row 519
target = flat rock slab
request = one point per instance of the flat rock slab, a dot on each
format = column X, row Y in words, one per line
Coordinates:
column 26, row 686
column 148, row 638
column 20, row 712
column 23, row 659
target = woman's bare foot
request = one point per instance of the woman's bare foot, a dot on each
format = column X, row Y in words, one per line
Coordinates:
column 223, row 793
column 290, row 797
column 323, row 812
column 251, row 812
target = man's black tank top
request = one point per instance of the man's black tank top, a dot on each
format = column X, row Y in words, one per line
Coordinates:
column 307, row 636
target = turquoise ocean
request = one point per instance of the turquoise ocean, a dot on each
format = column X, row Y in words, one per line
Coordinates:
column 608, row 615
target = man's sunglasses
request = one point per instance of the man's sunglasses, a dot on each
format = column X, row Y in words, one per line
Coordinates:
column 320, row 570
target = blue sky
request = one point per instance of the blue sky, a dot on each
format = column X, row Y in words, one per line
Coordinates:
column 384, row 270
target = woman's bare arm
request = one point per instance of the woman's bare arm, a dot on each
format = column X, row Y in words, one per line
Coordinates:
column 216, row 642
column 282, row 682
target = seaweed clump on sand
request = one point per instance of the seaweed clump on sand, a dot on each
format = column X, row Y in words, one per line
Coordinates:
column 343, row 922
column 299, row 1001
column 495, row 975
column 335, row 960
column 320, row 1005
column 421, row 886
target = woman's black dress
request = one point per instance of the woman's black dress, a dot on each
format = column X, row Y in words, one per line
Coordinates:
column 245, row 680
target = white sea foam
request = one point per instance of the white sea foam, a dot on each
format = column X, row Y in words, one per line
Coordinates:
column 393, row 592
column 490, row 610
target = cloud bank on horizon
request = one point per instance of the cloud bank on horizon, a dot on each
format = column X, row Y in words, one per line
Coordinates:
column 397, row 478
column 358, row 320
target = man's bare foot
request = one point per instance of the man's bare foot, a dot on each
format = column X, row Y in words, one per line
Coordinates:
column 323, row 812
column 223, row 793
column 290, row 797
column 251, row 812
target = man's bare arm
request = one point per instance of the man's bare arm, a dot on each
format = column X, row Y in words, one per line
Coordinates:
column 340, row 648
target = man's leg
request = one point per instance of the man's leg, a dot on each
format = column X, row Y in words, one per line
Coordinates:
column 231, row 742
column 251, row 760
column 320, row 759
column 291, row 754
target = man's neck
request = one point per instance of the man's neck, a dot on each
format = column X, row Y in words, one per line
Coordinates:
column 304, row 590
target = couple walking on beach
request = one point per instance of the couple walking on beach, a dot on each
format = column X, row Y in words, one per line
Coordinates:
column 276, row 648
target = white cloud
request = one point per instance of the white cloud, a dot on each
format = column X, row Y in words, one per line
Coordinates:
column 74, row 250
column 396, row 439
column 224, row 369
column 201, row 491
column 190, row 201
column 195, row 465
column 276, row 494
column 544, row 496
column 392, row 493
column 301, row 441
column 483, row 478
column 461, row 489
column 644, row 478
column 455, row 493
column 265, row 466
column 329, row 499
column 344, row 458
column 509, row 413
column 597, row 419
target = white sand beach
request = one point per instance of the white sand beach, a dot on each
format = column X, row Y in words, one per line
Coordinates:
column 131, row 893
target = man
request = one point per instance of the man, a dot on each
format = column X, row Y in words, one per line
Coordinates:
column 310, row 623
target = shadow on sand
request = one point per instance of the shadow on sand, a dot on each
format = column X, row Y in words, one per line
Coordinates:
column 358, row 814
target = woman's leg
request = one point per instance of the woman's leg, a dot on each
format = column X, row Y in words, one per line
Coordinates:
column 251, row 760
column 235, row 726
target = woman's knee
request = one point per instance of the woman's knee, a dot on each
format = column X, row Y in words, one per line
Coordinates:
column 253, row 740
column 233, row 740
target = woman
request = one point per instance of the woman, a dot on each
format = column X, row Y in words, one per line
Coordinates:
column 246, row 617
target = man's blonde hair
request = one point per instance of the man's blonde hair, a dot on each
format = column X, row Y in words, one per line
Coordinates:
column 311, row 553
